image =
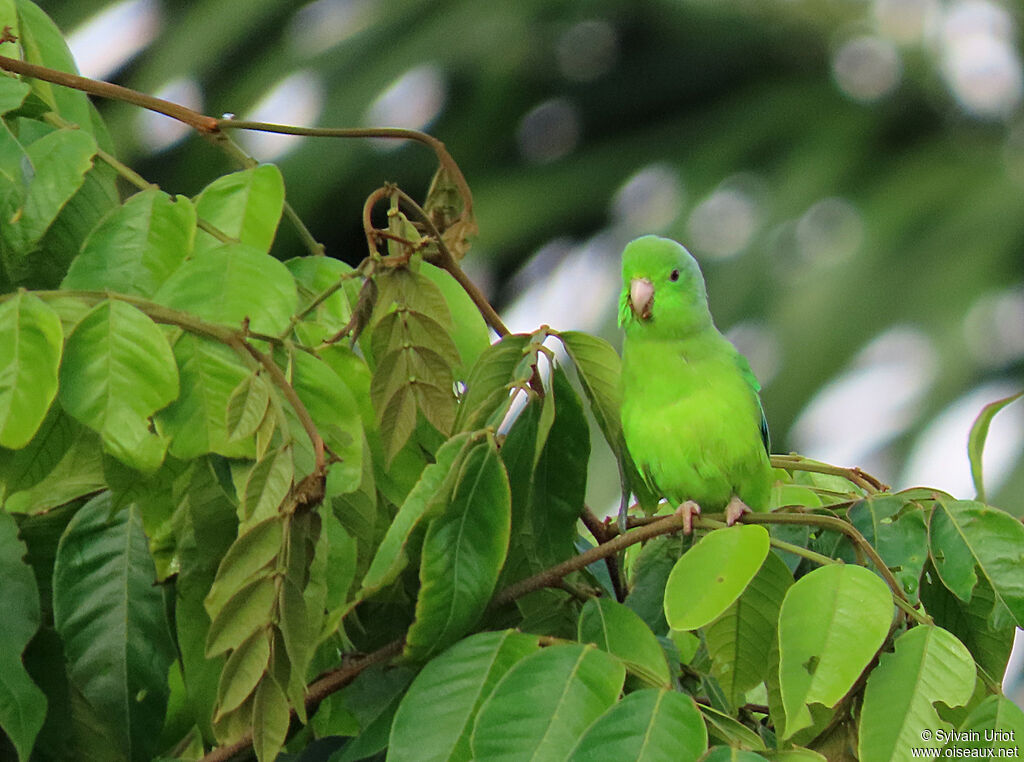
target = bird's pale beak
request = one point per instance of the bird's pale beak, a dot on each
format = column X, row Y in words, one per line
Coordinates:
column 641, row 297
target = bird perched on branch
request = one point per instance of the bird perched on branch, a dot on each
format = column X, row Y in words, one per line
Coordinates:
column 691, row 414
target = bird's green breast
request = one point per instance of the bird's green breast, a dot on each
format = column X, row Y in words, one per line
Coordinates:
column 692, row 421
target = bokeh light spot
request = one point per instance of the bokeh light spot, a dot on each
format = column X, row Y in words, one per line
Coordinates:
column 723, row 224
column 412, row 101
column 867, row 68
column 158, row 132
column 549, row 131
column 115, row 35
column 905, row 21
column 994, row 328
column 322, row 24
column 829, row 231
column 650, row 200
column 587, row 50
column 760, row 345
column 297, row 99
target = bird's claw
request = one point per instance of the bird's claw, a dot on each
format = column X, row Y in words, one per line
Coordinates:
column 686, row 512
column 734, row 510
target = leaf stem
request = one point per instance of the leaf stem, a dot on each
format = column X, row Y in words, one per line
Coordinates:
column 864, row 480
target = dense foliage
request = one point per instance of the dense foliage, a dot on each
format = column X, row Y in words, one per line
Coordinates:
column 307, row 507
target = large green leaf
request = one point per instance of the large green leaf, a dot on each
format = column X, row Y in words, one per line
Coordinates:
column 966, row 538
column 314, row 276
column 977, row 437
column 110, row 615
column 196, row 422
column 616, row 629
column 463, row 553
column 118, row 370
column 22, row 703
column 29, row 358
column 244, row 205
column 927, row 666
column 740, row 640
column 832, row 623
column 650, row 573
column 436, row 716
column 712, row 574
column 646, row 726
column 137, row 246
column 231, row 283
column 544, row 704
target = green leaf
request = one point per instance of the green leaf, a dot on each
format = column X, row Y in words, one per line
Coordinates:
column 58, row 163
column 487, row 385
column 739, row 641
column 928, row 665
column 29, row 358
column 544, row 704
column 646, row 726
column 314, row 276
column 244, row 205
column 334, row 411
column 117, row 371
column 22, row 704
column 249, row 555
column 712, row 574
column 61, row 462
column 463, row 553
column 729, row 730
column 969, row 622
column 195, row 422
column 729, row 754
column 136, row 246
column 614, row 628
column 110, row 615
column 651, row 569
column 833, row 621
column 12, row 94
column 976, row 440
column 999, row 724
column 270, row 718
column 243, row 671
column 436, row 716
column 900, row 537
column 246, row 407
column 245, row 612
column 469, row 330
column 231, row 283
column 267, row 485
column 965, row 536
column 432, row 491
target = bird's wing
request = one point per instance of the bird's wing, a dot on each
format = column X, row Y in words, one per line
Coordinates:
column 755, row 387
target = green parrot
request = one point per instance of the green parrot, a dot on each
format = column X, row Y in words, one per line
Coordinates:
column 691, row 414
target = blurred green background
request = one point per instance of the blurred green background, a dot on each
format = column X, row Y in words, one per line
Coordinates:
column 850, row 173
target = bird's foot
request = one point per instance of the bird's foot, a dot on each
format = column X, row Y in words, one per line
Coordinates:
column 686, row 512
column 734, row 510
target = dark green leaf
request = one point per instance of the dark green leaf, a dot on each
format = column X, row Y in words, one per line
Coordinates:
column 22, row 703
column 487, row 384
column 110, row 615
column 901, row 539
column 463, row 553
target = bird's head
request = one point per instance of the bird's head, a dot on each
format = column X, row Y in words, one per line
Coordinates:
column 662, row 289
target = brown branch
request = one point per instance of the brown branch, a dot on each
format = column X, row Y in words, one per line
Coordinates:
column 862, row 479
column 194, row 119
column 550, row 577
column 600, row 531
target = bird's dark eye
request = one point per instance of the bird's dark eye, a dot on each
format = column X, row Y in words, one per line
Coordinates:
column 673, row 276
